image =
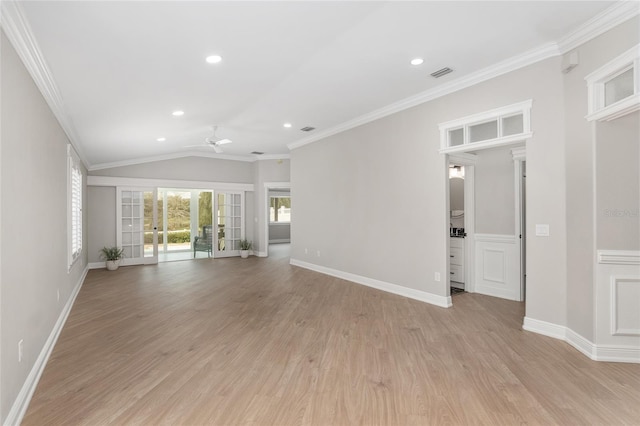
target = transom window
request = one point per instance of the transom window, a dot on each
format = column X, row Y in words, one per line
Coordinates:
column 614, row 89
column 501, row 126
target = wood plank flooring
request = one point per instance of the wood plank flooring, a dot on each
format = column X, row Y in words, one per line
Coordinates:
column 260, row 342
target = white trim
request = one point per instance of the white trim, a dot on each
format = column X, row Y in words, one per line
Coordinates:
column 514, row 63
column 519, row 153
column 496, row 238
column 614, row 280
column 597, row 80
column 97, row 265
column 434, row 299
column 260, row 253
column 605, row 353
column 280, row 241
column 489, row 115
column 619, row 257
column 18, row 31
column 491, row 143
column 611, row 17
column 21, row 403
column 545, row 328
column 167, row 183
column 171, row 156
column 463, row 159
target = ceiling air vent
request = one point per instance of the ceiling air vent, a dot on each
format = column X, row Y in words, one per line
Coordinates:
column 307, row 129
column 440, row 73
column 257, row 153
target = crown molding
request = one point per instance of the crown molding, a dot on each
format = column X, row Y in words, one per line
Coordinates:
column 520, row 61
column 263, row 157
column 609, row 18
column 19, row 33
column 171, row 156
column 604, row 21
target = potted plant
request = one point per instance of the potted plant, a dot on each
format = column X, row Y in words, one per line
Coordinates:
column 245, row 246
column 112, row 256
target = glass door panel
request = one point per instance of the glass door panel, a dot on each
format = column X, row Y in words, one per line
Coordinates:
column 137, row 224
column 229, row 219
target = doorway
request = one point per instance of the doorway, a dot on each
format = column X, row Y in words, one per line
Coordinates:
column 277, row 214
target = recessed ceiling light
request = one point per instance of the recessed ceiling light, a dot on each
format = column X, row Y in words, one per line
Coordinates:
column 161, row 139
column 177, row 113
column 213, row 59
column 417, row 61
column 287, row 125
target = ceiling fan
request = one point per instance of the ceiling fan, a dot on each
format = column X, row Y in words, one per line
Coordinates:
column 213, row 141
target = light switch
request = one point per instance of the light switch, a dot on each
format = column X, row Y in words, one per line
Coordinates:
column 542, row 230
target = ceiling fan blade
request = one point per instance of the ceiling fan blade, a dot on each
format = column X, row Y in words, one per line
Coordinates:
column 223, row 141
column 217, row 149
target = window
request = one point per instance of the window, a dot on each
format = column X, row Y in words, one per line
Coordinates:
column 614, row 88
column 74, row 188
column 501, row 126
column 280, row 209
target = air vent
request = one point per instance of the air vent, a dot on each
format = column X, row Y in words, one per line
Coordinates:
column 440, row 73
column 257, row 153
column 307, row 129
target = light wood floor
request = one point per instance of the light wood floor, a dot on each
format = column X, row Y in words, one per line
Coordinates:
column 259, row 342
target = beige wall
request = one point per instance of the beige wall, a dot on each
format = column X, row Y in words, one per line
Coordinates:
column 618, row 184
column 393, row 221
column 187, row 168
column 265, row 171
column 495, row 192
column 33, row 225
column 580, row 172
column 102, row 220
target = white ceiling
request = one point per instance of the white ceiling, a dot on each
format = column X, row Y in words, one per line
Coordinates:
column 121, row 68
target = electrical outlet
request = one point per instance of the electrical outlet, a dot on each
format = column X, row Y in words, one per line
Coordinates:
column 436, row 276
column 20, row 345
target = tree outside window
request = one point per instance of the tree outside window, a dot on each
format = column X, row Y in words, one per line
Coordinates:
column 280, row 210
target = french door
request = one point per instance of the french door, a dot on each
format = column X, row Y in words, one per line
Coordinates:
column 228, row 217
column 137, row 225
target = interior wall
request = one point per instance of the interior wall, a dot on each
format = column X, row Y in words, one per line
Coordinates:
column 101, row 221
column 187, row 168
column 266, row 171
column 279, row 232
column 580, row 171
column 386, row 197
column 495, row 192
column 618, row 184
column 33, row 226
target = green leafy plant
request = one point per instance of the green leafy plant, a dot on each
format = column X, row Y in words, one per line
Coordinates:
column 111, row 253
column 245, row 245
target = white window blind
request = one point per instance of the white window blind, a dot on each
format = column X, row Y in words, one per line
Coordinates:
column 75, row 206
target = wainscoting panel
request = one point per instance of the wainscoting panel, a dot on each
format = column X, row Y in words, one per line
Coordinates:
column 618, row 299
column 497, row 266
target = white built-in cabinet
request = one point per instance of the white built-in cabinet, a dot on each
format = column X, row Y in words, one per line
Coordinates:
column 456, row 261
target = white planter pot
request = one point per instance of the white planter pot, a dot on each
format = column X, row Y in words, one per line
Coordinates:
column 112, row 265
column 244, row 254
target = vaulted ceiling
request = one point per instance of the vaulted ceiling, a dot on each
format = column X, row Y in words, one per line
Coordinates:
column 120, row 69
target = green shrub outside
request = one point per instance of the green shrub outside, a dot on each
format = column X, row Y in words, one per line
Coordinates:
column 174, row 237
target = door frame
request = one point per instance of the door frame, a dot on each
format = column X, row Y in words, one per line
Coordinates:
column 519, row 155
column 151, row 260
column 469, row 162
column 267, row 204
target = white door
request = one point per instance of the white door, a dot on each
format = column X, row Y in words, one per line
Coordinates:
column 229, row 220
column 137, row 225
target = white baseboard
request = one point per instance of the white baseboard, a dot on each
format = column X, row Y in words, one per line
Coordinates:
column 441, row 301
column 260, row 253
column 595, row 352
column 20, row 405
column 97, row 265
column 545, row 328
